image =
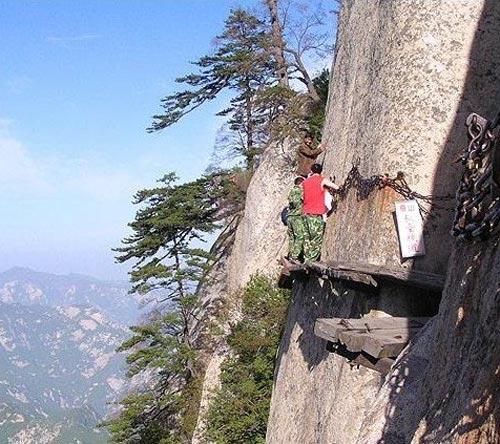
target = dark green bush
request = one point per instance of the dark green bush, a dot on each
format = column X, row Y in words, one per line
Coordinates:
column 240, row 409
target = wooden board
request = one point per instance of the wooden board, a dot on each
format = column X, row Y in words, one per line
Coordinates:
column 353, row 276
column 370, row 275
column 288, row 271
column 418, row 279
column 379, row 365
column 382, row 365
column 379, row 344
column 388, row 343
column 332, row 326
column 379, row 337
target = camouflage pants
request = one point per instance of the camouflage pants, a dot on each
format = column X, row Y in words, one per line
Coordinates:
column 315, row 227
column 296, row 236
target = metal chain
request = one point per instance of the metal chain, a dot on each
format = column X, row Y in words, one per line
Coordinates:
column 478, row 197
column 364, row 186
column 477, row 211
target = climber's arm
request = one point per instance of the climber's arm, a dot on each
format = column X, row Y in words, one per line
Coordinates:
column 329, row 184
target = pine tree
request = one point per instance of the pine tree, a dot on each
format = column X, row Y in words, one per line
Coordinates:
column 171, row 217
column 239, row 410
column 167, row 268
column 255, row 61
column 241, row 63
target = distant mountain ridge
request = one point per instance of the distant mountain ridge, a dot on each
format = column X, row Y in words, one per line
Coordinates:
column 26, row 286
column 58, row 365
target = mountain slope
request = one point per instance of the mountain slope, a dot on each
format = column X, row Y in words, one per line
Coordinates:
column 25, row 286
column 58, row 366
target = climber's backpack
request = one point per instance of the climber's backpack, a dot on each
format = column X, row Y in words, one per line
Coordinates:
column 284, row 215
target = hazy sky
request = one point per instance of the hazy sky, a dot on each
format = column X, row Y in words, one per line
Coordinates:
column 78, row 84
column 79, row 81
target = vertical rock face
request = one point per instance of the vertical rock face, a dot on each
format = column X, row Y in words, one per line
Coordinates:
column 260, row 239
column 261, row 236
column 445, row 388
column 317, row 397
column 397, row 85
column 406, row 75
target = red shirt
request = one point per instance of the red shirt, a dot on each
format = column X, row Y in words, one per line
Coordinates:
column 314, row 195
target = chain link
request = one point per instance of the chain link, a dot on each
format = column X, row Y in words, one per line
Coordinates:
column 364, row 186
column 478, row 197
column 477, row 211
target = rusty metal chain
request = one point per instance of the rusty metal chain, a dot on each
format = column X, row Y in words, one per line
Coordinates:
column 477, row 211
column 364, row 186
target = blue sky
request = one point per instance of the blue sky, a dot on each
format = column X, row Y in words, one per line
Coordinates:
column 79, row 81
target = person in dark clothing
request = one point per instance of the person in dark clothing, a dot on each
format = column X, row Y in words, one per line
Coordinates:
column 307, row 154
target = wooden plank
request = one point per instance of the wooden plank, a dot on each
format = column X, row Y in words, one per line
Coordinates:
column 414, row 278
column 353, row 339
column 388, row 343
column 380, row 365
column 352, row 276
column 380, row 343
column 379, row 337
column 288, row 271
column 329, row 328
column 324, row 330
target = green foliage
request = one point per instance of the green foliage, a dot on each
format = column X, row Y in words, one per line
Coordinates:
column 128, row 429
column 240, row 409
column 171, row 216
column 261, row 108
column 169, row 270
column 316, row 117
column 190, row 404
column 238, row 60
column 241, row 64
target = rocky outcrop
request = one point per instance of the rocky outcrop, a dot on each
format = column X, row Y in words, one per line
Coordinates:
column 397, row 86
column 406, row 75
column 445, row 388
column 259, row 240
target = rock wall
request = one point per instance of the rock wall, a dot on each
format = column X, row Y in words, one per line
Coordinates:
column 406, row 75
column 259, row 241
column 445, row 388
column 396, row 91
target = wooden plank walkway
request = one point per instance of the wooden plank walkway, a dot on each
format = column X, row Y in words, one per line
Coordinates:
column 289, row 272
column 342, row 274
column 378, row 337
column 413, row 278
column 365, row 274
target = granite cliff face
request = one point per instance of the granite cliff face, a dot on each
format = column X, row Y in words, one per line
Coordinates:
column 445, row 387
column 405, row 76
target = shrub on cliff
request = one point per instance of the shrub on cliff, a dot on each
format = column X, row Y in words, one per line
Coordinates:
column 240, row 409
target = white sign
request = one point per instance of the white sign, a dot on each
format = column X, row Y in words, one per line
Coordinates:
column 410, row 228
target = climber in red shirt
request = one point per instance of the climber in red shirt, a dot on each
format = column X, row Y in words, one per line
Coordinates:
column 315, row 187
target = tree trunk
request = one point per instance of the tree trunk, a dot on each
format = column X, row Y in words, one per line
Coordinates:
column 278, row 45
column 306, row 78
column 249, row 151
